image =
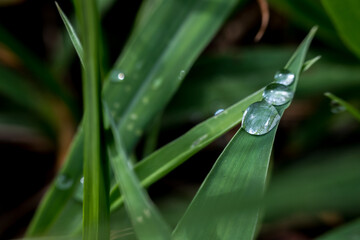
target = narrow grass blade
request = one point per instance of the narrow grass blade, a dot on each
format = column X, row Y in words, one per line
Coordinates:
column 349, row 231
column 344, row 13
column 146, row 220
column 237, row 178
column 348, row 107
column 153, row 71
column 307, row 65
column 72, row 34
column 96, row 207
column 162, row 161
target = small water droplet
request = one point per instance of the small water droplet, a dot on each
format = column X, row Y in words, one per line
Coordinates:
column 145, row 100
column 64, row 182
column 140, row 219
column 336, row 107
column 82, row 180
column 117, row 76
column 130, row 127
column 219, row 111
column 284, row 77
column 133, row 116
column 259, row 118
column 277, row 94
column 199, row 140
column 147, row 212
column 181, row 74
column 157, row 83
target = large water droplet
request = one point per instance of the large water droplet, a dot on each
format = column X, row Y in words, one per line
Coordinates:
column 277, row 94
column 64, row 182
column 336, row 107
column 219, row 111
column 117, row 76
column 259, row 118
column 284, row 77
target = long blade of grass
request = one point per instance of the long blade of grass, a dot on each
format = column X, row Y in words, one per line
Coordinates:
column 153, row 70
column 348, row 107
column 72, row 34
column 162, row 161
column 349, row 231
column 96, row 207
column 146, row 220
column 238, row 176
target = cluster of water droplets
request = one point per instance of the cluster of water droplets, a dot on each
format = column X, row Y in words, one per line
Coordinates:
column 261, row 117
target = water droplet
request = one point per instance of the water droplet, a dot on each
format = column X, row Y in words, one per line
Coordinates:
column 336, row 107
column 259, row 118
column 133, row 116
column 117, row 76
column 157, row 83
column 219, row 111
column 145, row 100
column 130, row 127
column 140, row 219
column 64, row 182
column 79, row 192
column 277, row 94
column 147, row 212
column 181, row 75
column 199, row 140
column 284, row 77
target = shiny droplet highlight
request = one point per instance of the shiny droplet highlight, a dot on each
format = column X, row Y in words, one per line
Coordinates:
column 284, row 77
column 219, row 111
column 259, row 118
column 277, row 94
column 117, row 76
column 63, row 182
column 336, row 107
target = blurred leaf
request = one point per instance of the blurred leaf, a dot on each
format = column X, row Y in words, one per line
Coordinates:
column 345, row 14
column 39, row 70
column 153, row 63
column 348, row 107
column 349, row 231
column 72, row 34
column 307, row 13
column 146, row 220
column 237, row 178
column 96, row 206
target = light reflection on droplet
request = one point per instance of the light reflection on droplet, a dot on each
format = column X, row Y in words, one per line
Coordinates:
column 181, row 74
column 284, row 77
column 277, row 94
column 260, row 118
column 336, row 107
column 219, row 111
column 63, row 182
column 117, row 76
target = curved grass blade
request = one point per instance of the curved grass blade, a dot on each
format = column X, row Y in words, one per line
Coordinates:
column 72, row 34
column 344, row 13
column 162, row 161
column 349, row 231
column 237, row 179
column 96, row 216
column 146, row 220
column 307, row 65
column 348, row 107
column 179, row 31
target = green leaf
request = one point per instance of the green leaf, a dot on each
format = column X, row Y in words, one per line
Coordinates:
column 146, row 220
column 96, row 216
column 72, row 34
column 153, row 71
column 348, row 107
column 237, row 178
column 165, row 159
column 349, row 231
column 345, row 15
